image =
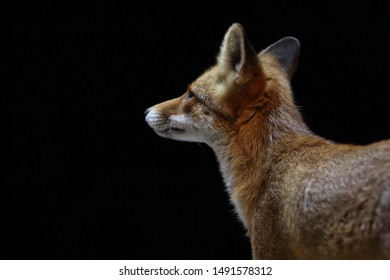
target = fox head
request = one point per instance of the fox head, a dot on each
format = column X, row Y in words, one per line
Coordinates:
column 227, row 96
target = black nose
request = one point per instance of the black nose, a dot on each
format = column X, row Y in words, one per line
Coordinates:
column 147, row 111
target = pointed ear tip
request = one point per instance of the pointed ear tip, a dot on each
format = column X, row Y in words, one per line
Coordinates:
column 291, row 41
column 236, row 27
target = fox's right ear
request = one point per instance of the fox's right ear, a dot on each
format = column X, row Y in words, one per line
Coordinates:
column 237, row 56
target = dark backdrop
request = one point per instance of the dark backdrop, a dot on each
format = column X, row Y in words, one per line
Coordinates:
column 86, row 178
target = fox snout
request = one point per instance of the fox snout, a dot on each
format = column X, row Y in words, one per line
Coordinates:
column 157, row 121
column 172, row 126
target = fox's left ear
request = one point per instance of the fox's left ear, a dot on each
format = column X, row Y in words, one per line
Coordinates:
column 286, row 51
column 237, row 56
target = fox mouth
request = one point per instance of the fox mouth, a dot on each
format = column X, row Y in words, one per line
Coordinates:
column 173, row 130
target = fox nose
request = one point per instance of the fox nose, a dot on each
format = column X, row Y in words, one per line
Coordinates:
column 147, row 110
column 150, row 115
column 146, row 113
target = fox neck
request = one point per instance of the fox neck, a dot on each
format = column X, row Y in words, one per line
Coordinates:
column 241, row 162
column 244, row 157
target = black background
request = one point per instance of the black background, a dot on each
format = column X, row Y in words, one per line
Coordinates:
column 86, row 178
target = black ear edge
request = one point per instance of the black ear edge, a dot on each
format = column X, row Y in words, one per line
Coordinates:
column 286, row 51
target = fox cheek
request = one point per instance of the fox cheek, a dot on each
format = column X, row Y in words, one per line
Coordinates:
column 188, row 107
column 206, row 112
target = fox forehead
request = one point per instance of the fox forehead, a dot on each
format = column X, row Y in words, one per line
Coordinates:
column 214, row 82
column 210, row 88
column 205, row 85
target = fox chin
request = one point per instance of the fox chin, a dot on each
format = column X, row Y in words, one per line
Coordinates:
column 298, row 195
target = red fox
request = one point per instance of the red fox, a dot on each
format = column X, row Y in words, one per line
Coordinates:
column 298, row 195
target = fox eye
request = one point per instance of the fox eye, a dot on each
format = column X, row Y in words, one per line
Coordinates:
column 190, row 94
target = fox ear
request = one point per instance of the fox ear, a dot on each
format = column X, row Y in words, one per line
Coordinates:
column 286, row 51
column 237, row 55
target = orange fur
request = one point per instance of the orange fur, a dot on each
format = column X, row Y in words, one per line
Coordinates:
column 297, row 194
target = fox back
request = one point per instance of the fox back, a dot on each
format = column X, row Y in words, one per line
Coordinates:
column 298, row 195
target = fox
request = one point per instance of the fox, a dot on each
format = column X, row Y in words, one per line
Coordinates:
column 297, row 194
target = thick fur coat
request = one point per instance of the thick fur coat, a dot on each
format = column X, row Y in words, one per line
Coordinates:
column 298, row 195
